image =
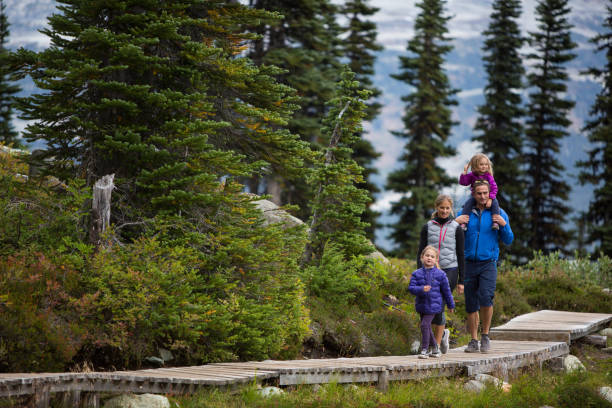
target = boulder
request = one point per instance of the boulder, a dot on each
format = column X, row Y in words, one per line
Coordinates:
column 138, row 401
column 165, row 355
column 606, row 332
column 606, row 392
column 273, row 214
column 572, row 363
column 489, row 379
column 474, row 386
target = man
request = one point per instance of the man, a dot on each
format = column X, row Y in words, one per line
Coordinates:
column 481, row 253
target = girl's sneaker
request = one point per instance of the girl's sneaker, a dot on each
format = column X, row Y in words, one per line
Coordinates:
column 435, row 353
column 424, row 354
column 445, row 341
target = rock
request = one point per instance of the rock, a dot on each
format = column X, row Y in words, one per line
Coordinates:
column 488, row 379
column 606, row 392
column 606, row 290
column 572, row 363
column 606, row 332
column 270, row 391
column 316, row 388
column 351, row 387
column 138, row 401
column 474, row 386
column 378, row 256
column 607, row 350
column 165, row 355
column 154, row 360
column 415, row 347
column 273, row 214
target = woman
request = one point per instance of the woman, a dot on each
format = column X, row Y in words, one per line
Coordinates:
column 443, row 233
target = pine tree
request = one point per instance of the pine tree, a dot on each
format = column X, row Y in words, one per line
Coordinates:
column 501, row 132
column 359, row 48
column 304, row 44
column 427, row 125
column 597, row 170
column 339, row 202
column 149, row 93
column 162, row 95
column 8, row 135
column 546, row 125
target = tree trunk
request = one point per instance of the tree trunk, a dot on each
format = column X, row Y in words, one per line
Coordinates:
column 100, row 211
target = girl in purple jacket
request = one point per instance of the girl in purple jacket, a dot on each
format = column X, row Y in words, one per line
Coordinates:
column 482, row 169
column 430, row 286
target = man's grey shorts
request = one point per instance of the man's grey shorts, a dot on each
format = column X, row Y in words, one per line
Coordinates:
column 479, row 284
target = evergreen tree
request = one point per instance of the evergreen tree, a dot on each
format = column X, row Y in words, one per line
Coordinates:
column 546, row 125
column 8, row 135
column 427, row 125
column 162, row 95
column 148, row 94
column 304, row 44
column 359, row 48
column 498, row 124
column 597, row 170
column 339, row 202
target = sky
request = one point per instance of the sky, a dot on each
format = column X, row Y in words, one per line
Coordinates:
column 395, row 27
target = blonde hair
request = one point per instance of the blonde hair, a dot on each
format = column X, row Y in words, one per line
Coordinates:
column 439, row 200
column 434, row 250
column 476, row 159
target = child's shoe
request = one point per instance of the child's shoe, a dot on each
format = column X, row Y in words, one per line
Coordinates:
column 424, row 354
column 495, row 226
column 435, row 353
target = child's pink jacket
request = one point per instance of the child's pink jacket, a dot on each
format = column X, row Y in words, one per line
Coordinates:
column 470, row 178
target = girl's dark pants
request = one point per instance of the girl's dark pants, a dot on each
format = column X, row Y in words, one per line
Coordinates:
column 427, row 336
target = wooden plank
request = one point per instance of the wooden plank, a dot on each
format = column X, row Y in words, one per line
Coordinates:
column 526, row 335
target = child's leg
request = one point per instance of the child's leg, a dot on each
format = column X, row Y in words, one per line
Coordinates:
column 495, row 206
column 495, row 210
column 427, row 337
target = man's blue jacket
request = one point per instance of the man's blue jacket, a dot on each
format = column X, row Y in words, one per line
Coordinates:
column 482, row 242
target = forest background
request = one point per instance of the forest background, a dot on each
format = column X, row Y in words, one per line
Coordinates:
column 395, row 24
column 192, row 104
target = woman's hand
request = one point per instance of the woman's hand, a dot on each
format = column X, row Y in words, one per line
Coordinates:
column 460, row 289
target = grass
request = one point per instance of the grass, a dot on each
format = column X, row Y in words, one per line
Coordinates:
column 530, row 388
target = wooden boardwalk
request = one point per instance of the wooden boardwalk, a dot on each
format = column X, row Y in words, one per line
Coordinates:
column 551, row 325
column 505, row 355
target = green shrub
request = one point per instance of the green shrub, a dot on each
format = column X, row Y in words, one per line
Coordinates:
column 335, row 279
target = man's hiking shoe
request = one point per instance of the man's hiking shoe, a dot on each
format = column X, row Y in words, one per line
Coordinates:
column 472, row 346
column 424, row 354
column 495, row 226
column 444, row 342
column 435, row 353
column 485, row 343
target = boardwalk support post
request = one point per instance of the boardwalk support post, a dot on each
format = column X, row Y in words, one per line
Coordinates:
column 383, row 380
